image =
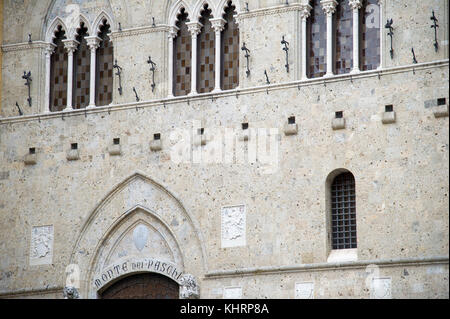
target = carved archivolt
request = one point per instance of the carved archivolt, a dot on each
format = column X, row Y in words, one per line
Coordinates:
column 70, row 24
column 194, row 11
column 139, row 226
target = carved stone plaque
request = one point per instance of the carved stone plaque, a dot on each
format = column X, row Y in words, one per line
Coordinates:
column 233, row 226
column 232, row 293
column 41, row 248
column 304, row 290
column 381, row 288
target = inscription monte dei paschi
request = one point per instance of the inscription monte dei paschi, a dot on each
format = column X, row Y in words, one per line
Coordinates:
column 148, row 264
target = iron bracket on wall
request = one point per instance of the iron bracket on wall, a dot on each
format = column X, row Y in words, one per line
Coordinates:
column 414, row 56
column 286, row 49
column 267, row 77
column 18, row 107
column 152, row 69
column 390, row 33
column 119, row 73
column 27, row 76
column 137, row 97
column 435, row 26
column 247, row 55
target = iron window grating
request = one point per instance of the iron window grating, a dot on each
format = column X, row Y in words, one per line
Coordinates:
column 343, row 212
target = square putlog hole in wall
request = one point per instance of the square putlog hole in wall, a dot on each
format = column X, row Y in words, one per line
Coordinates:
column 388, row 116
column 115, row 149
column 441, row 108
column 156, row 144
column 291, row 128
column 30, row 158
column 338, row 122
column 73, row 154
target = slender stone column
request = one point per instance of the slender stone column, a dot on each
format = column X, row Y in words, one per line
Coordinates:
column 194, row 29
column 329, row 7
column 305, row 12
column 93, row 43
column 172, row 35
column 218, row 25
column 71, row 46
column 355, row 5
column 49, row 49
column 381, row 4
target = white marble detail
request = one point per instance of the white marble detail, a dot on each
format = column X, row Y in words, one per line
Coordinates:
column 381, row 288
column 41, row 248
column 232, row 293
column 304, row 290
column 233, row 226
column 140, row 236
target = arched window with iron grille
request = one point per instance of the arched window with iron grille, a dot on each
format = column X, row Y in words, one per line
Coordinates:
column 343, row 212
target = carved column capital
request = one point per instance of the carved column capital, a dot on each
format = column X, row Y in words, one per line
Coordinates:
column 93, row 42
column 173, row 32
column 71, row 45
column 305, row 11
column 381, row 2
column 329, row 6
column 194, row 28
column 355, row 4
column 218, row 24
column 49, row 49
column 189, row 288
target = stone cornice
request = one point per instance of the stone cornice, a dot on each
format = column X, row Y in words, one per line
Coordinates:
column 268, row 11
column 396, row 262
column 138, row 31
column 24, row 46
column 236, row 92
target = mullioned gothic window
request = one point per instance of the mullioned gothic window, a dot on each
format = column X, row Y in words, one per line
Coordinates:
column 343, row 19
column 206, row 54
column 370, row 35
column 104, row 68
column 82, row 70
column 182, row 57
column 230, row 50
column 343, row 212
column 58, row 73
column 317, row 41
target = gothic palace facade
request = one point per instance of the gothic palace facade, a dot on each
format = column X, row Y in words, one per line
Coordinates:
column 224, row 149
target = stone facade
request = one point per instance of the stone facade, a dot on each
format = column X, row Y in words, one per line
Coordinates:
column 239, row 221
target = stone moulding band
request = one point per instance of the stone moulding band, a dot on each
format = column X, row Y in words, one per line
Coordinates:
column 24, row 46
column 242, row 91
column 400, row 262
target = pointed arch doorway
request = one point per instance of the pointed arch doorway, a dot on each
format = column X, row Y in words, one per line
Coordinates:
column 142, row 286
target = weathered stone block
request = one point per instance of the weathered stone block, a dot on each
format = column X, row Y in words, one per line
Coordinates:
column 30, row 159
column 73, row 155
column 388, row 117
column 156, row 145
column 291, row 129
column 440, row 111
column 115, row 150
column 338, row 123
column 199, row 140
